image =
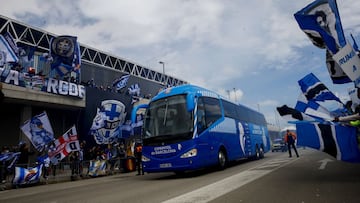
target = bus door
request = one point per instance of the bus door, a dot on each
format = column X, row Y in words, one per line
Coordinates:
column 209, row 111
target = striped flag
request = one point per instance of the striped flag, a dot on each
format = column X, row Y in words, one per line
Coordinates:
column 339, row 141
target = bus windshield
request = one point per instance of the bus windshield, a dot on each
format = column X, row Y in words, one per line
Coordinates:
column 167, row 120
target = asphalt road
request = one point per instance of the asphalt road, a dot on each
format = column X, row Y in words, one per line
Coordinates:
column 314, row 177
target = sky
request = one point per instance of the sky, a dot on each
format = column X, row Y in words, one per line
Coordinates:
column 252, row 52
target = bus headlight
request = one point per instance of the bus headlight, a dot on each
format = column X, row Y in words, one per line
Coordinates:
column 144, row 158
column 189, row 154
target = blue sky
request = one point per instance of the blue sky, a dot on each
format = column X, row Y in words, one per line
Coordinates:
column 253, row 50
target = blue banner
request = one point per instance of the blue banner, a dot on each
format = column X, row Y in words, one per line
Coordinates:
column 339, row 141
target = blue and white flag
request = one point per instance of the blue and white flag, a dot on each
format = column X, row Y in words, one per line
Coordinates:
column 314, row 90
column 320, row 21
column 106, row 124
column 121, row 82
column 10, row 53
column 27, row 175
column 97, row 168
column 39, row 131
column 339, row 141
column 134, row 91
column 312, row 108
column 65, row 53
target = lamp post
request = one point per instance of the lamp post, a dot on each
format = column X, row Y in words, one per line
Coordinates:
column 163, row 72
column 235, row 93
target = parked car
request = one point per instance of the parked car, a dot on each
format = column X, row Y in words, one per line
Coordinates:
column 278, row 145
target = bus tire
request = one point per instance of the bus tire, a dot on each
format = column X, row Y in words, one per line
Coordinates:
column 257, row 153
column 261, row 152
column 222, row 159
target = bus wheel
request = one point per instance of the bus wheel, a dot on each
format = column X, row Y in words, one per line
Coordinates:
column 257, row 153
column 261, row 152
column 222, row 159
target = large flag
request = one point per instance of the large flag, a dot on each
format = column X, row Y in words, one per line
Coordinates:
column 339, row 141
column 39, row 131
column 312, row 108
column 107, row 121
column 27, row 175
column 65, row 52
column 314, row 90
column 9, row 54
column 321, row 22
column 293, row 115
column 121, row 82
column 64, row 145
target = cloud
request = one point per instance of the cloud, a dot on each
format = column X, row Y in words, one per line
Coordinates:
column 255, row 47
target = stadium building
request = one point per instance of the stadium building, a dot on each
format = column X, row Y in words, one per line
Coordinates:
column 23, row 99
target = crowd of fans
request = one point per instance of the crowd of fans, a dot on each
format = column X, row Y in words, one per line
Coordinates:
column 113, row 154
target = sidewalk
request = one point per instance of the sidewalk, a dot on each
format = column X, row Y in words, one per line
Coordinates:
column 61, row 176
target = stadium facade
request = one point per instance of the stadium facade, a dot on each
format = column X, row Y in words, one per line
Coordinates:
column 65, row 109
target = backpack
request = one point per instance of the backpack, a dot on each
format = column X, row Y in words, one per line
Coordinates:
column 290, row 138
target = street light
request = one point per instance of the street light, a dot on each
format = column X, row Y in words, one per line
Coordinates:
column 235, row 93
column 163, row 65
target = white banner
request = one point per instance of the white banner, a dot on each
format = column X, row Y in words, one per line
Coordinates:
column 349, row 61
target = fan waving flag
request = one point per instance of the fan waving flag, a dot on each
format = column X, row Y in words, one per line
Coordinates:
column 320, row 21
column 338, row 141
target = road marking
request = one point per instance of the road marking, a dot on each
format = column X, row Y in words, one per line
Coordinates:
column 324, row 163
column 217, row 189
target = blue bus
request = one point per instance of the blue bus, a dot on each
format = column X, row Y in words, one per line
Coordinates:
column 188, row 128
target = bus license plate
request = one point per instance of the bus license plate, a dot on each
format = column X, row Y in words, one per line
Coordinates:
column 165, row 165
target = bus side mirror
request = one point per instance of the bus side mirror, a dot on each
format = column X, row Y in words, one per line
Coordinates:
column 190, row 102
column 135, row 110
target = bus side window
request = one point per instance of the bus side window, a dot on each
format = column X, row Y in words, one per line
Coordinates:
column 212, row 110
column 201, row 123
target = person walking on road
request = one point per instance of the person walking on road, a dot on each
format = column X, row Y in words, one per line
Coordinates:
column 138, row 155
column 290, row 138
